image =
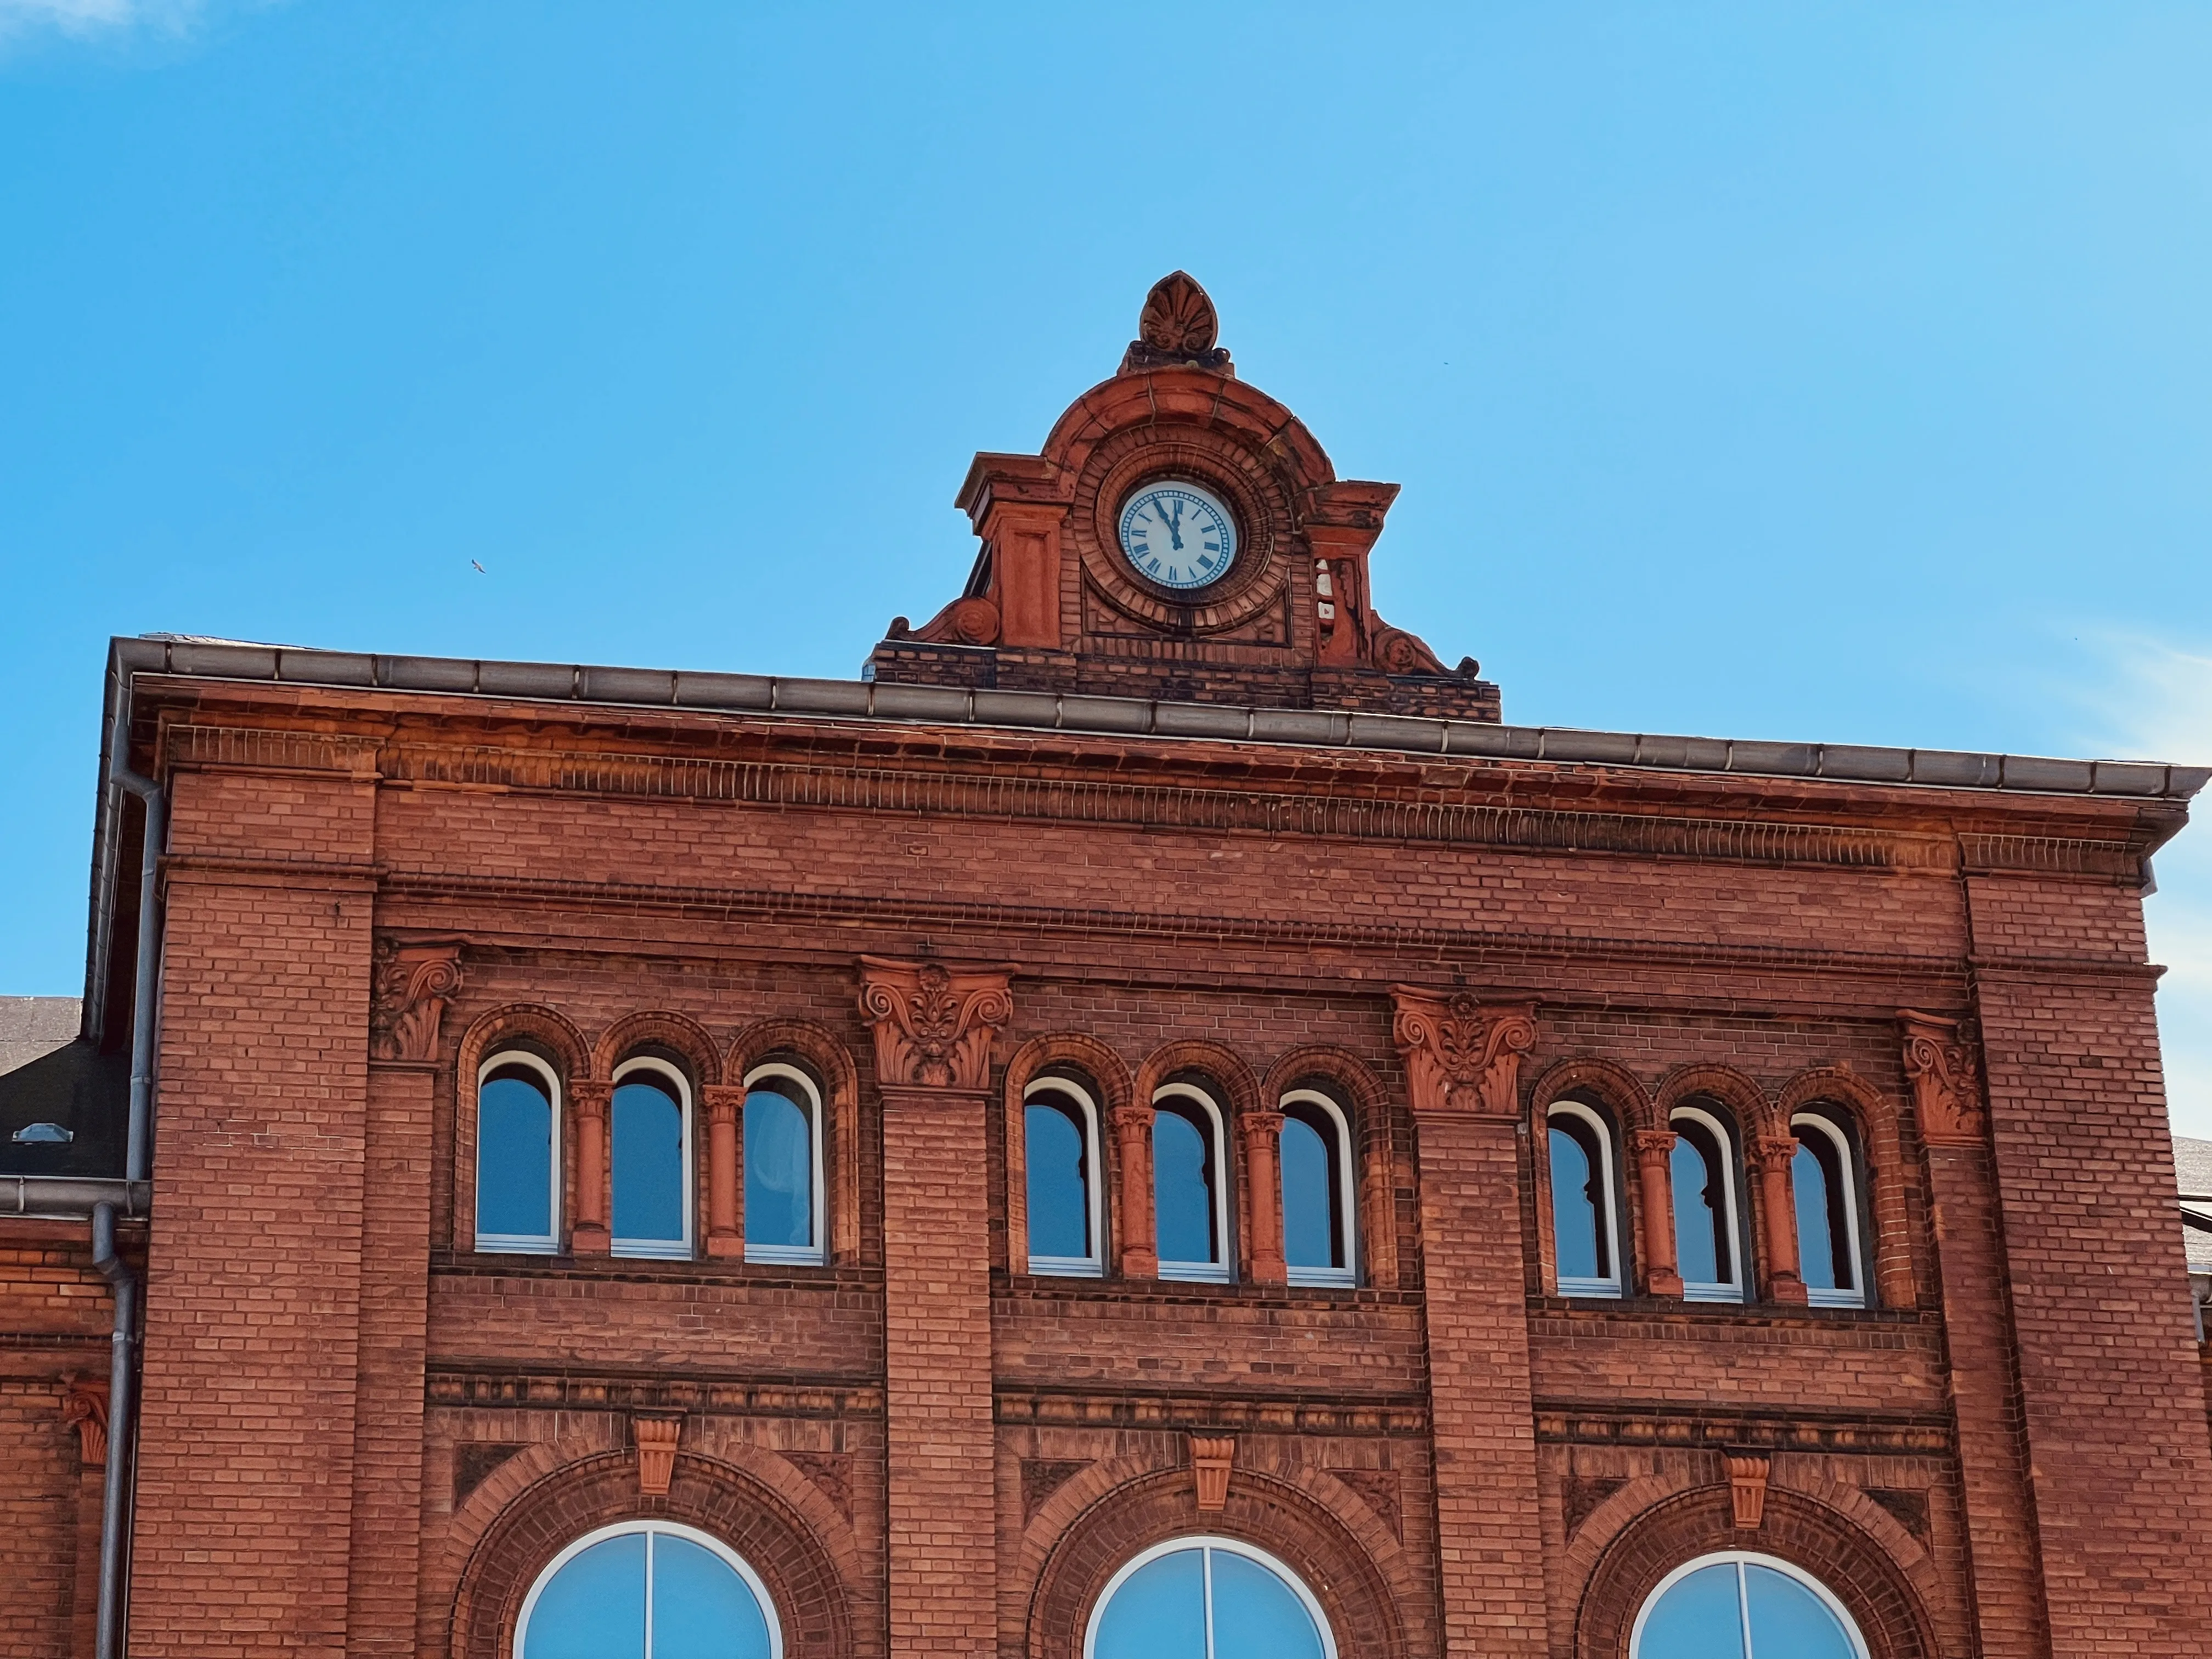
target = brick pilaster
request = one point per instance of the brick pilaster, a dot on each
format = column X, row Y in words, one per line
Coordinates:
column 1462, row 1061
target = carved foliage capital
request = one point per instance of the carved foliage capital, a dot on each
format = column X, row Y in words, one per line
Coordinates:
column 84, row 1409
column 409, row 987
column 1463, row 1055
column 1946, row 1083
column 932, row 1023
column 1768, row 1154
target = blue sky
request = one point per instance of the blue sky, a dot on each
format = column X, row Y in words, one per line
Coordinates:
column 1759, row 370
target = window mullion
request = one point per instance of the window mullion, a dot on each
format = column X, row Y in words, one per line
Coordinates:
column 1742, row 1609
column 1206, row 1563
column 648, row 1592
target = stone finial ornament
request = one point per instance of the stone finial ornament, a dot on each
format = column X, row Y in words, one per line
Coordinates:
column 1177, row 328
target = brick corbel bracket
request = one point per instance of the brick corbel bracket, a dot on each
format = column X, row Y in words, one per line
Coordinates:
column 1746, row 1478
column 1212, row 1456
column 1463, row 1055
column 84, row 1409
column 656, row 1438
column 933, row 1024
column 409, row 985
column 1947, row 1087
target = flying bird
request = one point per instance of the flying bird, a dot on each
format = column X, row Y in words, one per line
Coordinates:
column 480, row 571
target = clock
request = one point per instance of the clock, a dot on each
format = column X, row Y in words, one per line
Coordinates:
column 1177, row 534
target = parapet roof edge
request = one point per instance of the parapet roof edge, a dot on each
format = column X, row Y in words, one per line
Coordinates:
column 640, row 688
column 1130, row 716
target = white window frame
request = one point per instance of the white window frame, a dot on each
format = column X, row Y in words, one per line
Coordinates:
column 815, row 1254
column 1227, row 1547
column 1224, row 1271
column 1856, row 1296
column 1730, row 1289
column 1740, row 1560
column 520, row 1243
column 1605, row 1284
column 1347, row 1225
column 1070, row 1267
column 655, row 1249
column 729, row 1558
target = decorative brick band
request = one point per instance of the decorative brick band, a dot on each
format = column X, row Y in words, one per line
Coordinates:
column 446, row 1386
column 1395, row 1415
column 1604, row 1426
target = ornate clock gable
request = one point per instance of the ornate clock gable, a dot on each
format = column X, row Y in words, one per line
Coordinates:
column 1275, row 613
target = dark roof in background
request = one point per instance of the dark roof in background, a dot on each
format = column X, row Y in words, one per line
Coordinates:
column 49, row 1074
column 2192, row 1164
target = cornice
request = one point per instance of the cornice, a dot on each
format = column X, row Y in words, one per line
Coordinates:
column 1607, row 1424
column 462, row 1382
column 1107, row 1406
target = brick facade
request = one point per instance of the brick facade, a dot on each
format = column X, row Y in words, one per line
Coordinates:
column 362, row 1434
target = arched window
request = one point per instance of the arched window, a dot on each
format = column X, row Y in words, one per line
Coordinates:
column 1736, row 1606
column 1316, row 1160
column 1705, row 1235
column 1060, row 1138
column 1206, row 1598
column 1190, row 1212
column 783, row 1166
column 518, row 1176
column 1586, row 1252
column 1824, row 1178
column 648, row 1589
column 651, row 1160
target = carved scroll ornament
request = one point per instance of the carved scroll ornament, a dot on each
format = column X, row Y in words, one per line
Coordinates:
column 1463, row 1055
column 1947, row 1083
column 84, row 1409
column 409, row 988
column 933, row 1024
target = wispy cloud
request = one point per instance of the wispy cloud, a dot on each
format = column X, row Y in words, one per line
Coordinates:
column 86, row 19
column 2157, row 705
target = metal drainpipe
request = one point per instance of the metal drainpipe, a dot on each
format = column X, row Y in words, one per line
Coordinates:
column 124, row 1284
column 141, row 993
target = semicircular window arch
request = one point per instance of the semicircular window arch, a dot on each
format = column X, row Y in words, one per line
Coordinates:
column 1735, row 1605
column 648, row 1590
column 1207, row 1598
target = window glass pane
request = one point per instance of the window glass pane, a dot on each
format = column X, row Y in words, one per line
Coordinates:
column 1159, row 1612
column 1182, row 1188
column 1817, row 1223
column 1788, row 1622
column 1256, row 1615
column 648, row 1163
column 1697, row 1619
column 702, row 1609
column 1700, row 1210
column 779, row 1170
column 594, row 1607
column 1311, row 1235
column 515, row 1158
column 1577, row 1196
column 1060, row 1198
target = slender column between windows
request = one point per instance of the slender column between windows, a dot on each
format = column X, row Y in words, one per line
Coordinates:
column 1654, row 1151
column 1770, row 1157
column 1132, row 1141
column 1263, row 1181
column 593, row 1102
column 725, row 1182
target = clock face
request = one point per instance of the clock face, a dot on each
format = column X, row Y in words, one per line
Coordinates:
column 1178, row 535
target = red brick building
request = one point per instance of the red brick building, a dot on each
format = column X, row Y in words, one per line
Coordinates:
column 1156, row 1092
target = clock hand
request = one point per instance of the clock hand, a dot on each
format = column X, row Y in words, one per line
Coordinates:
column 1174, row 528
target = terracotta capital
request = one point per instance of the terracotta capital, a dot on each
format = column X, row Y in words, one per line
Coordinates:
column 410, row 984
column 84, row 1409
column 933, row 1024
column 1947, row 1085
column 1463, row 1055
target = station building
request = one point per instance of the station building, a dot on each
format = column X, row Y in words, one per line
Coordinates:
column 1152, row 1123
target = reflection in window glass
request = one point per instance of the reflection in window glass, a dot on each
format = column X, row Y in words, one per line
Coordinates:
column 1816, row 1236
column 1828, row 1229
column 650, row 1593
column 1313, row 1228
column 1207, row 1599
column 1740, row 1607
column 1058, row 1151
column 515, row 1158
column 779, row 1170
column 648, row 1155
column 1701, row 1209
column 1582, row 1214
column 1182, row 1185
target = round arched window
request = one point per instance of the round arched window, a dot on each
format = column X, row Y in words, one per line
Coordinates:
column 1735, row 1606
column 648, row 1589
column 1207, row 1598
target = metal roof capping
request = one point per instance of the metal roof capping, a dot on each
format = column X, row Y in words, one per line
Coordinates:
column 931, row 705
